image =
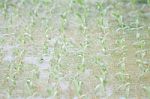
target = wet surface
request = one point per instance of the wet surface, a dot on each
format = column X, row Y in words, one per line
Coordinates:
column 38, row 59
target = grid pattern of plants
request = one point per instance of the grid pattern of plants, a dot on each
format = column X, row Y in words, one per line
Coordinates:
column 74, row 49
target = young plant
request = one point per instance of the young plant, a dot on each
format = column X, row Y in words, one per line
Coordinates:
column 147, row 90
column 78, row 86
column 140, row 54
column 133, row 2
column 82, row 55
column 11, row 81
column 31, row 87
column 102, row 78
column 102, row 21
column 82, row 17
column 52, row 91
column 63, row 21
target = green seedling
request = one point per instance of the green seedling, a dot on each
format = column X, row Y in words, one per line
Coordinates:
column 24, row 37
column 5, row 4
column 141, row 54
column 102, row 21
column 52, row 92
column 82, row 16
column 102, row 86
column 46, row 47
column 126, row 88
column 81, row 67
column 147, row 90
column 102, row 41
column 63, row 21
column 11, row 84
column 133, row 2
column 78, row 86
column 54, row 73
column 120, row 21
column 100, row 5
column 82, row 55
column 83, row 26
column 80, row 2
column 102, row 78
column 31, row 87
